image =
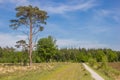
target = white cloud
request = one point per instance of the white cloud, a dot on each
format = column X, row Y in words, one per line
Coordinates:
column 108, row 13
column 82, row 44
column 16, row 2
column 66, row 7
column 9, row 39
column 20, row 2
column 54, row 7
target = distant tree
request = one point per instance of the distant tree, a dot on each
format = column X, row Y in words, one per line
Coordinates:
column 112, row 55
column 118, row 55
column 104, row 62
column 7, row 54
column 1, row 54
column 46, row 48
column 31, row 18
column 22, row 44
column 99, row 55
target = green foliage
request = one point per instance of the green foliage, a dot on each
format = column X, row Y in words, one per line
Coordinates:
column 104, row 62
column 26, row 13
column 112, row 56
column 92, row 62
column 46, row 49
column 23, row 56
column 99, row 55
column 9, row 55
column 118, row 55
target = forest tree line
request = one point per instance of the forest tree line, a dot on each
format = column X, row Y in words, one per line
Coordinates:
column 47, row 51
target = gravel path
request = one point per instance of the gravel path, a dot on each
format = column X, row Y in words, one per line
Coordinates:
column 93, row 73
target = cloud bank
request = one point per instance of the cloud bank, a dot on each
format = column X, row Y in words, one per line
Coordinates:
column 70, row 43
column 54, row 7
column 10, row 40
column 62, row 8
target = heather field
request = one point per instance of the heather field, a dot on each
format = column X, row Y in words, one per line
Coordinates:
column 115, row 65
column 45, row 71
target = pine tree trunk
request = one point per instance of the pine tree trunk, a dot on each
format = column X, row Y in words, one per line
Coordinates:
column 30, row 44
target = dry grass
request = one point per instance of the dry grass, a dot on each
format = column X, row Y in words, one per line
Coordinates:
column 45, row 71
column 13, row 68
column 116, row 70
column 7, row 72
column 115, row 65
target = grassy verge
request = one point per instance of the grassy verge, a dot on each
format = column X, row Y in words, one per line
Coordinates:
column 46, row 71
column 108, row 73
column 100, row 72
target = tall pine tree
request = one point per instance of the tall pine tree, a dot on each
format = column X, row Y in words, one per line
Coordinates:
column 32, row 18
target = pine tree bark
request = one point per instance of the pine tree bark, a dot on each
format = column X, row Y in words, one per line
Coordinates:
column 30, row 44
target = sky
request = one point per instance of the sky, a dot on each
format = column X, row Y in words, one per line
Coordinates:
column 73, row 23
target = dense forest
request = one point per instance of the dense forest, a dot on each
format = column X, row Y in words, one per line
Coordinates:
column 46, row 50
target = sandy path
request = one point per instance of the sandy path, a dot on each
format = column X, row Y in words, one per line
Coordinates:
column 93, row 73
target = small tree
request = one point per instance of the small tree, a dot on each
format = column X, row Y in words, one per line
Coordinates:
column 31, row 18
column 22, row 44
column 46, row 48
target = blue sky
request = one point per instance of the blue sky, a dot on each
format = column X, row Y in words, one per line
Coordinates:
column 73, row 23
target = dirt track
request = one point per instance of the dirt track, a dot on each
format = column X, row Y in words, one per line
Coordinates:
column 93, row 73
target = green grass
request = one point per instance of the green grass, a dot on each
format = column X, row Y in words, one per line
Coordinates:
column 50, row 71
column 101, row 73
column 107, row 73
